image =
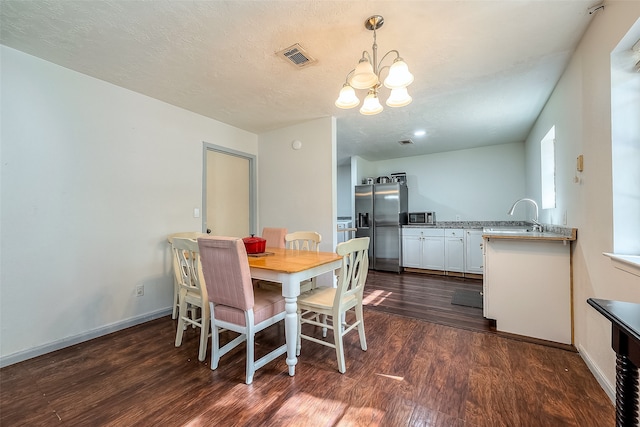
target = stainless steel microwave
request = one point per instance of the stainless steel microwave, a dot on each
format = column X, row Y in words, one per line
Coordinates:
column 422, row 217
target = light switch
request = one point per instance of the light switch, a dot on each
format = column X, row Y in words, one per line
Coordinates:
column 196, row 212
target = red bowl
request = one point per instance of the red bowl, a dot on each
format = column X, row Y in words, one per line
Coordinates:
column 254, row 245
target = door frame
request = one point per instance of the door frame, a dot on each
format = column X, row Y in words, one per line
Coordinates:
column 253, row 198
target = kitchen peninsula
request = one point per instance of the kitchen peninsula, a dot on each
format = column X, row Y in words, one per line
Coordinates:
column 527, row 282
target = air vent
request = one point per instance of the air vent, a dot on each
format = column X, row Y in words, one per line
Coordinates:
column 405, row 142
column 296, row 56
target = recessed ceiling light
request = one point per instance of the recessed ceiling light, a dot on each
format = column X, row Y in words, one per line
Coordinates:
column 420, row 133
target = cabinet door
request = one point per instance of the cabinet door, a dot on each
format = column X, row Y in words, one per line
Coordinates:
column 474, row 259
column 433, row 258
column 411, row 251
column 454, row 253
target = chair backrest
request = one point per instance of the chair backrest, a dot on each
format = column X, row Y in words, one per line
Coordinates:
column 354, row 270
column 303, row 240
column 186, row 235
column 225, row 267
column 186, row 260
column 274, row 236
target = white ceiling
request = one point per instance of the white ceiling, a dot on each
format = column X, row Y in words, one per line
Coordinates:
column 483, row 69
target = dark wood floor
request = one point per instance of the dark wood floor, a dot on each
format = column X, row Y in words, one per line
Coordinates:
column 426, row 297
column 415, row 373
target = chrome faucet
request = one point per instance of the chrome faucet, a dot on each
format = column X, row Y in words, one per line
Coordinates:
column 536, row 225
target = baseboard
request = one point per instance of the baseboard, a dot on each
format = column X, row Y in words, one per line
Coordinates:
column 424, row 271
column 85, row 336
column 608, row 388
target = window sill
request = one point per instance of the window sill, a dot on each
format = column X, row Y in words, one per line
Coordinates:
column 628, row 263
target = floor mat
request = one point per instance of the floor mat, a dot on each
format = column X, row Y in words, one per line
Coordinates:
column 467, row 298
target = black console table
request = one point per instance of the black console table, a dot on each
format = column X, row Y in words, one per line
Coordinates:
column 625, row 341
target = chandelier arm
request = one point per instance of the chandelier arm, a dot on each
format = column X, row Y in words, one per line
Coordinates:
column 380, row 71
column 387, row 54
column 349, row 74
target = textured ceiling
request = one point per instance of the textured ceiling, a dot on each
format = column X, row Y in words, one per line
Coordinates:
column 483, row 69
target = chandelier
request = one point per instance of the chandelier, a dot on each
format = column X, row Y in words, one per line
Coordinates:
column 367, row 73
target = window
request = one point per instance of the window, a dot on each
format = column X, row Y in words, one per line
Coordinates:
column 625, row 151
column 548, row 169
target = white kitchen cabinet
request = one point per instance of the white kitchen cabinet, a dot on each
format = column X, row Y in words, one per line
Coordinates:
column 527, row 287
column 412, row 247
column 454, row 250
column 423, row 248
column 473, row 261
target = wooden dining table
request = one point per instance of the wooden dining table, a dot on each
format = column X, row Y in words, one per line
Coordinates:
column 290, row 267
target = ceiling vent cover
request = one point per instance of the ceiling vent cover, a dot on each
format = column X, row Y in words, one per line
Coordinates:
column 296, row 56
column 405, row 142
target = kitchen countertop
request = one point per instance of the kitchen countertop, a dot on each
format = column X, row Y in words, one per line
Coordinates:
column 569, row 236
column 477, row 225
column 552, row 232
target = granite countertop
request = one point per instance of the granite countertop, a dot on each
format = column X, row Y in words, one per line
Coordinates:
column 507, row 229
column 569, row 235
column 473, row 225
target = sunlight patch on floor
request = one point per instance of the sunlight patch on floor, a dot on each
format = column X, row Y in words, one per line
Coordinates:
column 376, row 297
column 305, row 409
column 393, row 377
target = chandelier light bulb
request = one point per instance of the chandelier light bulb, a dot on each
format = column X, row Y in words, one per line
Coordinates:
column 399, row 97
column 347, row 98
column 399, row 75
column 363, row 76
column 371, row 105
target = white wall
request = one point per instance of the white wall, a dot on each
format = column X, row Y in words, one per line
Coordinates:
column 478, row 184
column 93, row 179
column 580, row 109
column 298, row 187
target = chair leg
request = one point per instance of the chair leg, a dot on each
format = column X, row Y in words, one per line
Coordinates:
column 176, row 299
column 181, row 325
column 337, row 338
column 215, row 341
column 360, row 319
column 250, row 355
column 324, row 322
column 204, row 333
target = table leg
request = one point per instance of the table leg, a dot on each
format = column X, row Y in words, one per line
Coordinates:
column 626, row 392
column 291, row 332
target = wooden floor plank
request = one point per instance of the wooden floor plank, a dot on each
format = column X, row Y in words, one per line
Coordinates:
column 415, row 372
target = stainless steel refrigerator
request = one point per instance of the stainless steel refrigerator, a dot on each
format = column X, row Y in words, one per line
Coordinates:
column 380, row 211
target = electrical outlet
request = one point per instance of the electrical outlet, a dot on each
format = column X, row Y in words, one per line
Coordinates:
column 139, row 290
column 564, row 218
column 457, row 217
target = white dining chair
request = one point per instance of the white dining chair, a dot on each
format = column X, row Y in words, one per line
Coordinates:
column 304, row 241
column 333, row 304
column 234, row 303
column 176, row 272
column 192, row 292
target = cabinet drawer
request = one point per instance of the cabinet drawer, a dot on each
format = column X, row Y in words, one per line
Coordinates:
column 433, row 232
column 423, row 231
column 412, row 231
column 454, row 232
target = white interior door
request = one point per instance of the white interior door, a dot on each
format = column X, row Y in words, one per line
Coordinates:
column 228, row 192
